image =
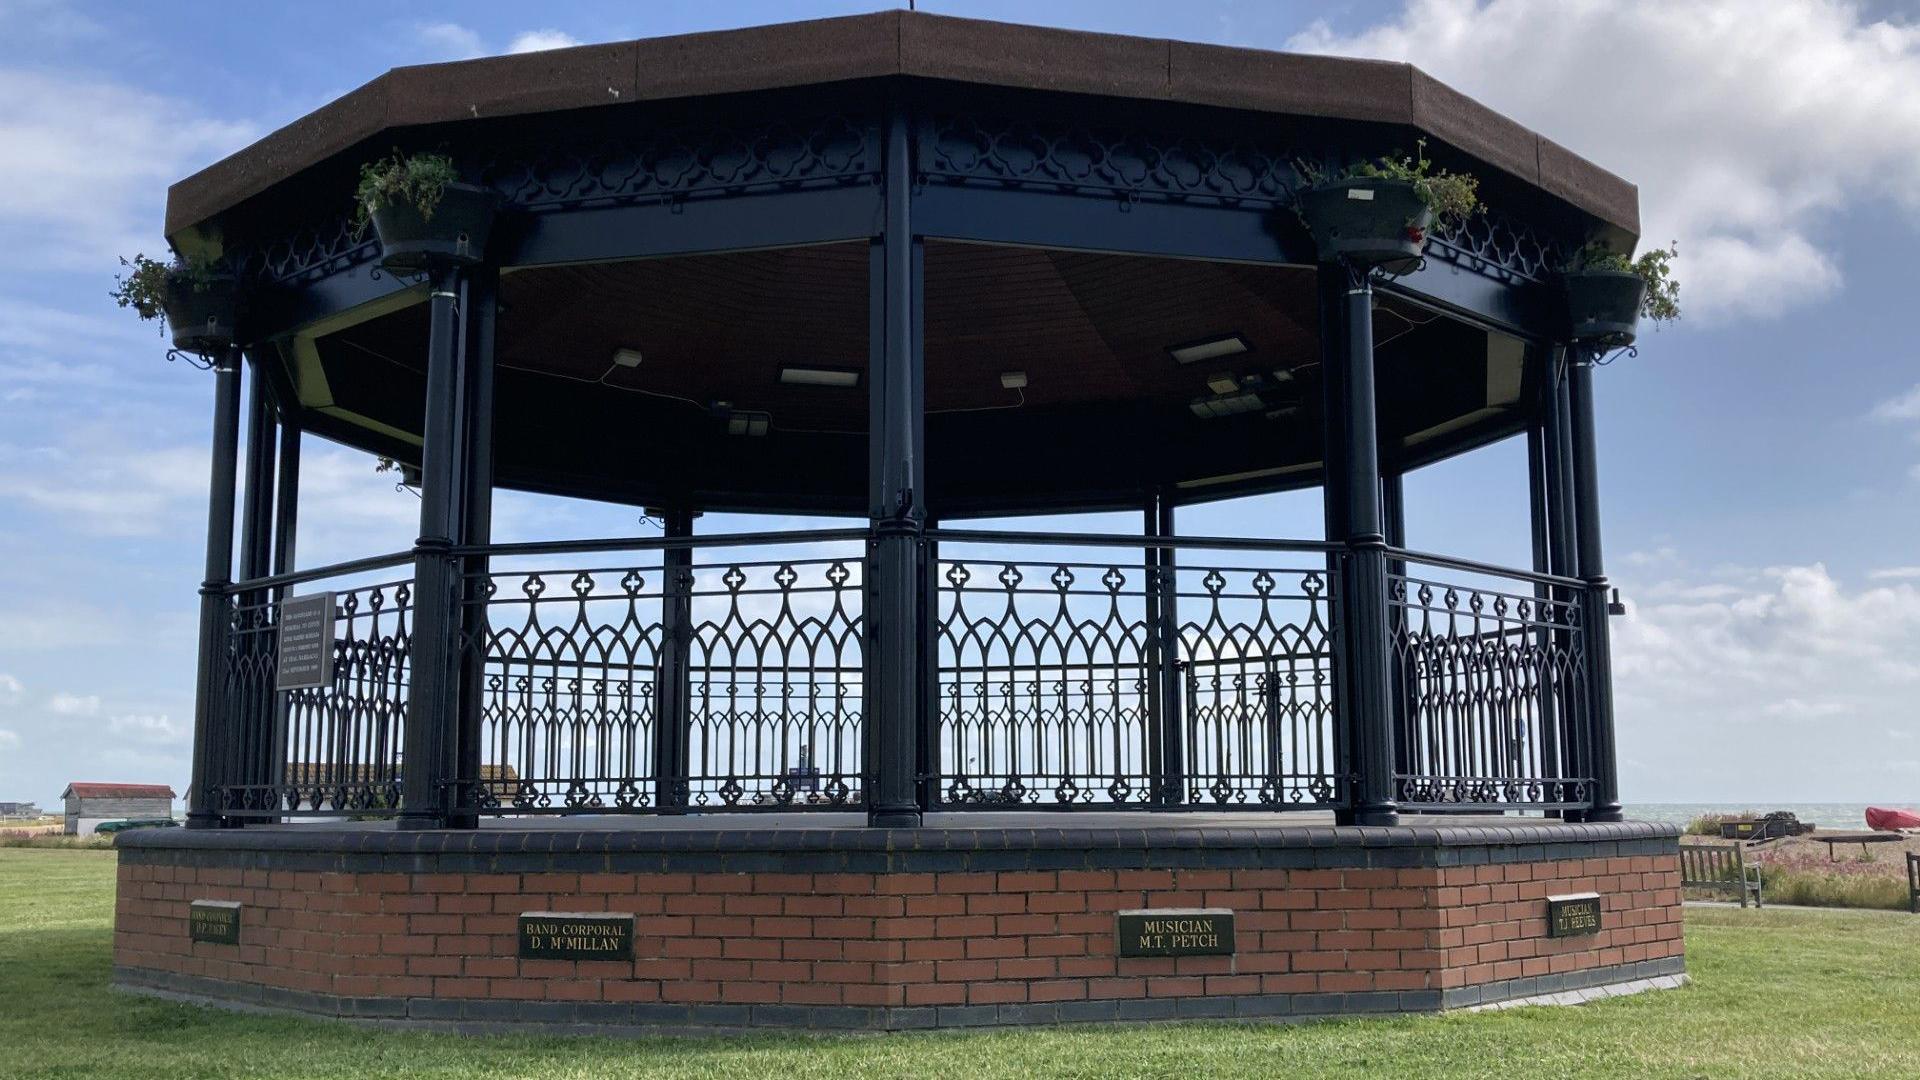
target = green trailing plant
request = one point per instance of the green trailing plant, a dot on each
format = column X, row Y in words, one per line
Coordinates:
column 1452, row 197
column 1661, row 303
column 417, row 180
column 143, row 287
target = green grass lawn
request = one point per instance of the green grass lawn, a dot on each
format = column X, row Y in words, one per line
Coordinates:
column 1793, row 994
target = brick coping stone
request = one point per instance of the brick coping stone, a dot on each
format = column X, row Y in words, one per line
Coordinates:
column 828, row 928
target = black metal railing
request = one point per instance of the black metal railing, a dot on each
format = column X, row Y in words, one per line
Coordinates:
column 325, row 750
column 759, row 660
column 1062, row 671
column 1491, row 674
column 1086, row 680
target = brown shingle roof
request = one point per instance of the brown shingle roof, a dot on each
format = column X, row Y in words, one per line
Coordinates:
column 911, row 44
column 84, row 790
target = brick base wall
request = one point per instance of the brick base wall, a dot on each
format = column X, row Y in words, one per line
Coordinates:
column 765, row 943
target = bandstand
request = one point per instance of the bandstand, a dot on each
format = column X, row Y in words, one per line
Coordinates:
column 907, row 271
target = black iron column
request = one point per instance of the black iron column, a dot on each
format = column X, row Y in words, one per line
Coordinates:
column 896, row 604
column 1393, row 513
column 1593, row 608
column 286, row 524
column 1557, row 494
column 476, row 530
column 1353, row 498
column 1538, row 501
column 251, row 710
column 673, row 714
column 427, row 760
column 208, row 714
column 1166, row 741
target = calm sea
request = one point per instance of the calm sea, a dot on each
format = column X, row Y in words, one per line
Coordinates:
column 1829, row 815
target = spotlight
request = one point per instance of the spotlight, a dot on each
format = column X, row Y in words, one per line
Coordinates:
column 1212, row 348
column 808, row 376
column 626, row 357
column 1013, row 380
column 1225, row 405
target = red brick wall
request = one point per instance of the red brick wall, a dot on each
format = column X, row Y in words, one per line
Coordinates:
column 895, row 939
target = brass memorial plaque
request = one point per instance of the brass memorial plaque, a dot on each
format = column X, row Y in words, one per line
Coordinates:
column 214, row 921
column 568, row 935
column 1573, row 915
column 1176, row 932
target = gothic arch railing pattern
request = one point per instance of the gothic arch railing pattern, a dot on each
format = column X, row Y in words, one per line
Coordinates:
column 1062, row 680
column 1052, row 692
column 574, row 665
column 332, row 750
column 1259, row 690
column 1491, row 680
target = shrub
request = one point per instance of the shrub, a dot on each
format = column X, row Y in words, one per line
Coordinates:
column 1836, row 889
column 1662, row 300
column 1709, row 824
column 1453, row 197
column 20, row 838
column 417, row 179
column 144, row 285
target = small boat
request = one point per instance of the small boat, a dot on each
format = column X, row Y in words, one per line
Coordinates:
column 1770, row 827
column 1882, row 820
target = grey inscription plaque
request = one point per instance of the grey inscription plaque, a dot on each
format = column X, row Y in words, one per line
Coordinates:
column 575, row 935
column 1573, row 915
column 306, row 642
column 1175, row 932
column 214, row 921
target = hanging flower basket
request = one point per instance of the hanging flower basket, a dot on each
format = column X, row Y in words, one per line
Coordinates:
column 456, row 231
column 200, row 312
column 1603, row 306
column 1368, row 221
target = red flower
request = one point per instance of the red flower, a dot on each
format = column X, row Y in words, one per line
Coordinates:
column 1416, row 234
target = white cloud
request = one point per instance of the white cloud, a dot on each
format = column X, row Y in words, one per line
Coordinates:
column 65, row 704
column 1745, row 125
column 449, row 41
column 452, row 41
column 1788, row 659
column 8, row 739
column 1896, row 573
column 85, row 163
column 541, row 40
column 147, row 728
column 1901, row 407
column 107, row 487
column 11, row 689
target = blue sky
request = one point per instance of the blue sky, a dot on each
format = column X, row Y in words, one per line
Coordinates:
column 1760, row 460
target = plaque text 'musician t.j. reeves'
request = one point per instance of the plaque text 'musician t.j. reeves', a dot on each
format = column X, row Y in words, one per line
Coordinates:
column 566, row 935
column 1176, row 932
column 1573, row 915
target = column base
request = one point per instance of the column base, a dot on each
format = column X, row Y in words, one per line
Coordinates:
column 406, row 822
column 1378, row 814
column 1605, row 812
column 894, row 818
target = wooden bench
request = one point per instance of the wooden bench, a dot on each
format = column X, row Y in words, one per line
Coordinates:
column 1723, row 868
column 1913, row 882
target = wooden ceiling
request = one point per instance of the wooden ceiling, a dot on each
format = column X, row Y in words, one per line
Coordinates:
column 1090, row 331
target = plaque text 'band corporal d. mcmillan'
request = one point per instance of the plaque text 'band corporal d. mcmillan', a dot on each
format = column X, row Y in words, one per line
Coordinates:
column 1176, row 932
column 565, row 935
